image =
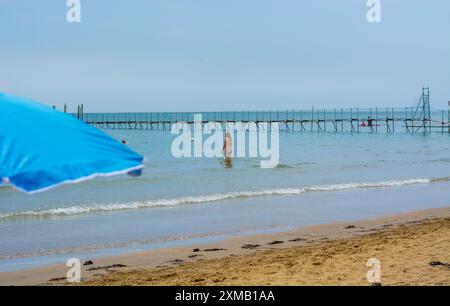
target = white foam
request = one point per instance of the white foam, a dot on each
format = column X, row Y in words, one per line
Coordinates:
column 76, row 210
column 369, row 185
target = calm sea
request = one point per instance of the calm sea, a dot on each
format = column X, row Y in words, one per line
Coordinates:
column 322, row 177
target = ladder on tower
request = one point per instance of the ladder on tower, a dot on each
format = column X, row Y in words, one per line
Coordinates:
column 422, row 113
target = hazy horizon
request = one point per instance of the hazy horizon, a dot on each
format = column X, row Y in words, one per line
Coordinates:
column 202, row 55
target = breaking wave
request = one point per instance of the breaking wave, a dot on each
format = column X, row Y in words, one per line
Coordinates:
column 76, row 210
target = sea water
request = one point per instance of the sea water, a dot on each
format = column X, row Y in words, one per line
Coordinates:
column 321, row 178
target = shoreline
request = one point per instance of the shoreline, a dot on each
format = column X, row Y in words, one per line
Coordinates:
column 181, row 259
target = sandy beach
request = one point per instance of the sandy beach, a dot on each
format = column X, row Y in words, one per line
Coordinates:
column 240, row 143
column 413, row 247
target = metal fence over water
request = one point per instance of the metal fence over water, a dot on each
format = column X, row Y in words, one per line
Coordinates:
column 389, row 120
column 420, row 118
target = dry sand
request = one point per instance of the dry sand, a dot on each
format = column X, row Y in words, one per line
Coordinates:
column 333, row 254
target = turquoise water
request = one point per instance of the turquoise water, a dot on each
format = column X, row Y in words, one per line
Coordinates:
column 322, row 177
column 361, row 113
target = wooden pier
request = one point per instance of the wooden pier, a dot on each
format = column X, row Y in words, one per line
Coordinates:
column 386, row 120
column 419, row 119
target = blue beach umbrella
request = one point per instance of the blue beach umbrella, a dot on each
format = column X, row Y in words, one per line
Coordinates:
column 41, row 148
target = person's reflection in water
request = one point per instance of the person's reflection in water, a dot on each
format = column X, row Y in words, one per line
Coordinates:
column 228, row 163
column 228, row 151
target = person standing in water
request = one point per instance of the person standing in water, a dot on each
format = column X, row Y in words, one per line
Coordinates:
column 227, row 145
column 227, row 149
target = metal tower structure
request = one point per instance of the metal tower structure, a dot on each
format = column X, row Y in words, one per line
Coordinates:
column 422, row 113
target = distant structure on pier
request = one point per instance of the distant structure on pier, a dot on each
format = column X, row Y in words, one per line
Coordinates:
column 417, row 119
column 422, row 114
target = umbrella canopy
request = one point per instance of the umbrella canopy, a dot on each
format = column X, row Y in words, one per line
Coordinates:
column 41, row 148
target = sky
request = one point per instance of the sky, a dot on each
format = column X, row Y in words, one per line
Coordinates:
column 210, row 55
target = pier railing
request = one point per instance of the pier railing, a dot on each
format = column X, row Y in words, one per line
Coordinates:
column 354, row 120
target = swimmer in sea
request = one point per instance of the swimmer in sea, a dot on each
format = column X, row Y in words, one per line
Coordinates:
column 228, row 150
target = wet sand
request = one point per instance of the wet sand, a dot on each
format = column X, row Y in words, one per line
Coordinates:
column 414, row 249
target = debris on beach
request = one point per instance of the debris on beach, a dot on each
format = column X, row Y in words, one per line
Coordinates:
column 214, row 250
column 276, row 242
column 193, row 256
column 438, row 263
column 107, row 267
column 250, row 246
column 297, row 240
